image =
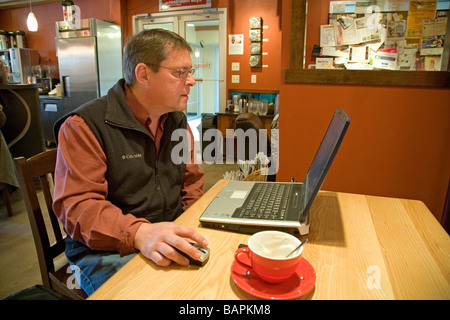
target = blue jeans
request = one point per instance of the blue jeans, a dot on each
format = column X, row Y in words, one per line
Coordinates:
column 95, row 269
column 92, row 268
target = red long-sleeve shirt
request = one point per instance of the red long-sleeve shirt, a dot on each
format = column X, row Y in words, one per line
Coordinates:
column 81, row 188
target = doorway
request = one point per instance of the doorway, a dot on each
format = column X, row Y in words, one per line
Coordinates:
column 205, row 31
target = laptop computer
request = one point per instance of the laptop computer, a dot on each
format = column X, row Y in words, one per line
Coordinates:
column 251, row 206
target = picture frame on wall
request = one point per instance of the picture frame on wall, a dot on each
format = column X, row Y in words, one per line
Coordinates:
column 255, row 34
column 255, row 48
column 255, row 61
column 255, row 22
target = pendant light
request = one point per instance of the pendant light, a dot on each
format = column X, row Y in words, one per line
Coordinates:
column 32, row 23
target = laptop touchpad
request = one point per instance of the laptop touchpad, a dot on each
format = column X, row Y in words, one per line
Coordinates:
column 234, row 194
column 239, row 194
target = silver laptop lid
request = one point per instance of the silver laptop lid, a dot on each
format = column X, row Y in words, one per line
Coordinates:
column 323, row 159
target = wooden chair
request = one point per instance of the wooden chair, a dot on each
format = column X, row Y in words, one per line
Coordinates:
column 5, row 192
column 41, row 166
column 250, row 121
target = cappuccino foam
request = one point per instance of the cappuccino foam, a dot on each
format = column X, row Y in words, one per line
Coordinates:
column 274, row 245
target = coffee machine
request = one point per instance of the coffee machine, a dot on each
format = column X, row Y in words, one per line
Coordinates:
column 43, row 76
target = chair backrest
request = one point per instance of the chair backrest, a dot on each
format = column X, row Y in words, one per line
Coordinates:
column 41, row 168
column 250, row 121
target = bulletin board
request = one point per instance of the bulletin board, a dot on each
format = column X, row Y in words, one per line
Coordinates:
column 371, row 38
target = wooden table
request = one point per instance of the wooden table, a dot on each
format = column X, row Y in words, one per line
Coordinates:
column 361, row 247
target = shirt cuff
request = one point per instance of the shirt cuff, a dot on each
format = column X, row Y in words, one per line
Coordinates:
column 128, row 233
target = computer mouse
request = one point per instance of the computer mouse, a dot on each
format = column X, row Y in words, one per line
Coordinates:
column 203, row 259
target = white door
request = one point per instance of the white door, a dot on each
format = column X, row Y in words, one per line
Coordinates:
column 205, row 31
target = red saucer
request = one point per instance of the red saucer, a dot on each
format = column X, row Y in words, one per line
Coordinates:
column 296, row 286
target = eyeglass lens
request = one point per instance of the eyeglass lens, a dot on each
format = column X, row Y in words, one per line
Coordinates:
column 184, row 72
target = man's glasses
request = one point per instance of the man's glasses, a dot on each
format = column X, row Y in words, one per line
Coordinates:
column 183, row 72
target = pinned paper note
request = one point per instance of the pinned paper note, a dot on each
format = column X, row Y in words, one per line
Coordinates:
column 324, row 63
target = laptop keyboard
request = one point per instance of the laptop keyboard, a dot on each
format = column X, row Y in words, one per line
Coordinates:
column 265, row 201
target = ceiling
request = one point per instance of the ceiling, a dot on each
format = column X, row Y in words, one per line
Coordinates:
column 9, row 4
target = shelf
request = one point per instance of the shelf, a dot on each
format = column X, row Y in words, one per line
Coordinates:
column 254, row 91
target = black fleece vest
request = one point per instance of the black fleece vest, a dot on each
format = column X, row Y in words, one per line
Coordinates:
column 139, row 181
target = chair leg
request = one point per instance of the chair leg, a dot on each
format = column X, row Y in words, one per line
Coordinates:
column 7, row 201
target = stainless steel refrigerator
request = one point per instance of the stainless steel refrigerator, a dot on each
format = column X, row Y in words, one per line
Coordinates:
column 90, row 60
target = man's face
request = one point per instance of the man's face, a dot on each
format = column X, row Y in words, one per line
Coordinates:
column 167, row 91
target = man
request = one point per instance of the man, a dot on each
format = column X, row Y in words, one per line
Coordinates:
column 116, row 185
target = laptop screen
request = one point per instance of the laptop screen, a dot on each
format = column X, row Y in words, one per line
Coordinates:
column 324, row 157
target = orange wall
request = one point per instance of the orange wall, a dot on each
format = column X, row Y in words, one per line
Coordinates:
column 238, row 23
column 268, row 78
column 397, row 144
column 47, row 15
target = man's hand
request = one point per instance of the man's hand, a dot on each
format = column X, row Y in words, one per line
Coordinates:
column 156, row 241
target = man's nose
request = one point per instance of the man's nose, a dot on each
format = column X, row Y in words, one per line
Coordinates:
column 190, row 79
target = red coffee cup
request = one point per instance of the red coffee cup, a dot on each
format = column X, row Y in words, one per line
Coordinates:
column 266, row 255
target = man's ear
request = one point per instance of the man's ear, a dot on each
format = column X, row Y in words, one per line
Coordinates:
column 141, row 72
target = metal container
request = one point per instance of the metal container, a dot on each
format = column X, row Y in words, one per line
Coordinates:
column 20, row 39
column 12, row 39
column 68, row 11
column 4, row 40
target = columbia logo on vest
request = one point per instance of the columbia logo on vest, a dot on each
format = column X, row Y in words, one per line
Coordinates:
column 131, row 156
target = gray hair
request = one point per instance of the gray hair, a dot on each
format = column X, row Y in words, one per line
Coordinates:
column 150, row 47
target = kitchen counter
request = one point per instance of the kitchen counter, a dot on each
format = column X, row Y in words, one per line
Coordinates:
column 43, row 96
column 18, row 86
